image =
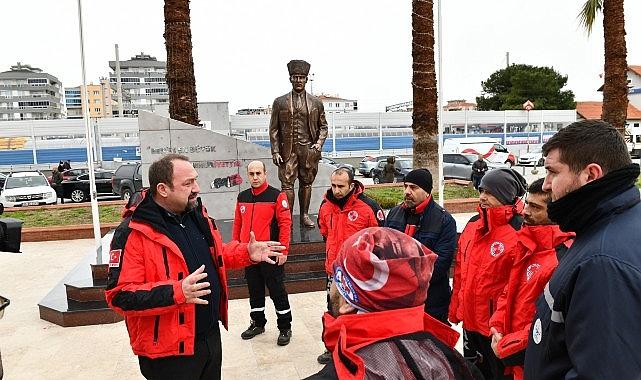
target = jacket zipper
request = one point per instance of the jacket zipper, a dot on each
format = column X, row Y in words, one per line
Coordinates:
column 156, row 323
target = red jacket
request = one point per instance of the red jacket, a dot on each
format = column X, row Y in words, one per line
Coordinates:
column 347, row 336
column 265, row 211
column 144, row 283
column 336, row 224
column 483, row 260
column 534, row 262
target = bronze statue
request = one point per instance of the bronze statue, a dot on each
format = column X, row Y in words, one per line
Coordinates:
column 297, row 132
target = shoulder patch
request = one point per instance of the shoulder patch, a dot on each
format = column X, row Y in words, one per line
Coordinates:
column 380, row 215
column 114, row 258
column 284, row 203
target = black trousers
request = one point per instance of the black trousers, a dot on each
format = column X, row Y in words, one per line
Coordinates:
column 491, row 366
column 273, row 276
column 204, row 364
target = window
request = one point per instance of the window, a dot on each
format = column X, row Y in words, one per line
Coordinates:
column 38, row 81
column 96, row 92
column 96, row 109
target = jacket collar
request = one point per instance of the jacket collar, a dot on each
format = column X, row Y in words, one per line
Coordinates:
column 259, row 190
column 358, row 190
column 542, row 237
column 495, row 217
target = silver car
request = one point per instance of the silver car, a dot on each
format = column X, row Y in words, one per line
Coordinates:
column 459, row 165
column 368, row 164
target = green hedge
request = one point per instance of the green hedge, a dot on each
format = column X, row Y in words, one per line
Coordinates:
column 389, row 197
column 65, row 216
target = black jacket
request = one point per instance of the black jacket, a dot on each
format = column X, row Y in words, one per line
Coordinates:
column 587, row 320
column 436, row 229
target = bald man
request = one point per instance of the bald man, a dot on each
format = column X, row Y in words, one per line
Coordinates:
column 265, row 210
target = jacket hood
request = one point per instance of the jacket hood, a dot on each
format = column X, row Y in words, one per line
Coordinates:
column 542, row 237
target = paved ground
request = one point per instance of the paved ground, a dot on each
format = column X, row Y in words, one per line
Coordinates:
column 36, row 349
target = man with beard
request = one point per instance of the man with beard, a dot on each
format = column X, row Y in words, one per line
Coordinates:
column 587, row 320
column 426, row 221
column 381, row 280
column 344, row 211
column 540, row 245
column 483, row 261
column 167, row 275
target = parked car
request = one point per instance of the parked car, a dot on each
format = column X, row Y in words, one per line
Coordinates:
column 3, row 177
column 70, row 174
column 459, row 165
column 488, row 147
column 368, row 163
column 78, row 189
column 27, row 189
column 402, row 166
column 336, row 164
column 535, row 157
column 127, row 180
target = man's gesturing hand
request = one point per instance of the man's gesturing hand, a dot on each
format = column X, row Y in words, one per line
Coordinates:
column 262, row 250
column 193, row 289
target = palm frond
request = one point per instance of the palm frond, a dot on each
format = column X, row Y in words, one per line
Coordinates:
column 588, row 13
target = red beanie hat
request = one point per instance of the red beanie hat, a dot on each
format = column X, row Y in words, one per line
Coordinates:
column 381, row 268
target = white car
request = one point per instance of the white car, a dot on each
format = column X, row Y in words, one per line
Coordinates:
column 534, row 158
column 27, row 189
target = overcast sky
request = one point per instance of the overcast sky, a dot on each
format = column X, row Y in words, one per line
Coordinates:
column 358, row 49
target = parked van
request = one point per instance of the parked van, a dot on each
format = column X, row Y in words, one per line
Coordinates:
column 633, row 140
column 488, row 147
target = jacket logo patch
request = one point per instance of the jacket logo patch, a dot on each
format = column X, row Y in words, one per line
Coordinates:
column 284, row 203
column 352, row 216
column 380, row 215
column 537, row 332
column 496, row 249
column 242, row 209
column 114, row 258
column 531, row 269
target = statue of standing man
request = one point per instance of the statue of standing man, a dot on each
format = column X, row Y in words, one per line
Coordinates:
column 297, row 132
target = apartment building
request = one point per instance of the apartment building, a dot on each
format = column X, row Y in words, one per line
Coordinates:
column 28, row 93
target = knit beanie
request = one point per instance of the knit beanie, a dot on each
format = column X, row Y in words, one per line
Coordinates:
column 505, row 184
column 380, row 268
column 421, row 178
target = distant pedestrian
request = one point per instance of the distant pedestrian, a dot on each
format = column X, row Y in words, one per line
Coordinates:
column 389, row 171
column 479, row 167
column 66, row 165
column 56, row 182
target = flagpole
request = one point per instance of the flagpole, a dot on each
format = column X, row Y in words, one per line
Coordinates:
column 89, row 139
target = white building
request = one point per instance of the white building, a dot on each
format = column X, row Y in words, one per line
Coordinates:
column 336, row 104
column 143, row 83
column 28, row 93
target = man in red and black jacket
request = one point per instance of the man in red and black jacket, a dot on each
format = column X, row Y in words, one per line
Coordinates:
column 540, row 246
column 265, row 211
column 167, row 275
column 345, row 211
column 483, row 261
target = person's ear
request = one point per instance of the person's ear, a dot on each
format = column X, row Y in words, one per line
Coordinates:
column 592, row 172
column 162, row 189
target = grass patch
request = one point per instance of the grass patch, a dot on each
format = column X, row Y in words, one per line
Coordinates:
column 639, row 182
column 65, row 217
column 389, row 197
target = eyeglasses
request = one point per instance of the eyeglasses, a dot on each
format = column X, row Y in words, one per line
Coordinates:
column 4, row 302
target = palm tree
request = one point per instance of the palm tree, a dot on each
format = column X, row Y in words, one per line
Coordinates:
column 425, row 111
column 615, row 87
column 183, row 105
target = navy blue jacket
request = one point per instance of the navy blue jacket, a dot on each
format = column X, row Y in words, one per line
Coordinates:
column 436, row 230
column 587, row 323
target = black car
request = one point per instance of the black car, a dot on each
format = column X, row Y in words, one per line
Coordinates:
column 402, row 166
column 127, row 180
column 78, row 189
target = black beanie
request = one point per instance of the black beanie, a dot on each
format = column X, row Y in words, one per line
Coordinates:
column 505, row 184
column 421, row 178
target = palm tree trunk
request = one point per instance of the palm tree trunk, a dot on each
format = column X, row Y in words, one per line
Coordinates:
column 183, row 105
column 425, row 112
column 615, row 89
